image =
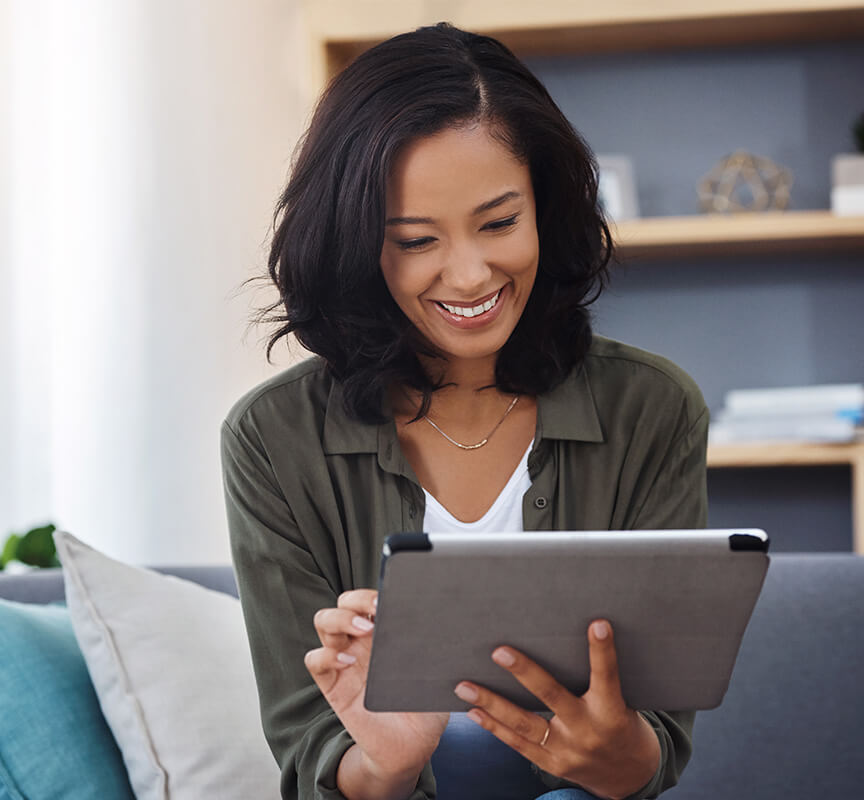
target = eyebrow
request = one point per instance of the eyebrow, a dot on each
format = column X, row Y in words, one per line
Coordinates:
column 487, row 206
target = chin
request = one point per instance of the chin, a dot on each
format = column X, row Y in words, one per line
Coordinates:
column 472, row 353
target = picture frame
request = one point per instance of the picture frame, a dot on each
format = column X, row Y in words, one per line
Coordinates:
column 617, row 187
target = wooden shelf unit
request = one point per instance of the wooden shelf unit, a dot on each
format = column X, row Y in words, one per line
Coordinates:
column 795, row 454
column 342, row 30
column 734, row 234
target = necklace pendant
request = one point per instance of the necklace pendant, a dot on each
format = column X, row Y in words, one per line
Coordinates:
column 469, row 446
column 479, row 444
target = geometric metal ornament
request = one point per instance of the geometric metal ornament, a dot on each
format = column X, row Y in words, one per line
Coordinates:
column 744, row 182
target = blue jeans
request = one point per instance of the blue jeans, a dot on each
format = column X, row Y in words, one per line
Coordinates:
column 471, row 763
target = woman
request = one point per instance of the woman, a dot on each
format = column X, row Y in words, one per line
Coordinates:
column 438, row 245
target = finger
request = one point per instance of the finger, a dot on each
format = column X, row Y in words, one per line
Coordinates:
column 529, row 748
column 325, row 659
column 523, row 723
column 361, row 601
column 537, row 681
column 605, row 682
column 337, row 626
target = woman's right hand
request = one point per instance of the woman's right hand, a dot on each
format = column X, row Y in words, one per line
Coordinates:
column 393, row 747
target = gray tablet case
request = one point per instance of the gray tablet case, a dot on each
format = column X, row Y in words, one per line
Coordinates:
column 678, row 601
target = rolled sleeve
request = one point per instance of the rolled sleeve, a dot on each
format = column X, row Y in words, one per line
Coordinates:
column 281, row 585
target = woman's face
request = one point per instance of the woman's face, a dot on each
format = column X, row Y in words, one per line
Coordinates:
column 460, row 247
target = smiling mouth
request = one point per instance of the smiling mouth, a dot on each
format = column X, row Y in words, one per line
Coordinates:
column 472, row 311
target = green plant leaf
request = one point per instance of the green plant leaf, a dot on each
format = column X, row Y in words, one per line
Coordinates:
column 36, row 547
column 9, row 549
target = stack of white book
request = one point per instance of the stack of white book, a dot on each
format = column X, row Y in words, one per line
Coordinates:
column 827, row 413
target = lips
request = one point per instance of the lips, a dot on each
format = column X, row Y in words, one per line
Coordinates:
column 478, row 313
column 481, row 307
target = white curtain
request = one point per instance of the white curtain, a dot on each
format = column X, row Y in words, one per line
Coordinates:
column 145, row 145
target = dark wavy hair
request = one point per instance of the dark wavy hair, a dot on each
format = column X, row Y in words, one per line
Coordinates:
column 329, row 221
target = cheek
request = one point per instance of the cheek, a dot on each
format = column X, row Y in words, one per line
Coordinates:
column 406, row 281
column 394, row 274
column 520, row 255
column 387, row 271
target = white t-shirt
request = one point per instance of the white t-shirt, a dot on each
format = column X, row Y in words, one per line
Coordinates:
column 504, row 515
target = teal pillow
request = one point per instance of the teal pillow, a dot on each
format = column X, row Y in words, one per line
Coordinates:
column 54, row 741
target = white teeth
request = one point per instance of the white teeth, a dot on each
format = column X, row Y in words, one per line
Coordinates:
column 461, row 311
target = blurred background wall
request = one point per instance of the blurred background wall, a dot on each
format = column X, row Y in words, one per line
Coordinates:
column 6, row 467
column 144, row 144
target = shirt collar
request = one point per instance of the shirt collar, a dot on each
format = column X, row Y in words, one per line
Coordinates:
column 343, row 434
column 566, row 412
column 569, row 411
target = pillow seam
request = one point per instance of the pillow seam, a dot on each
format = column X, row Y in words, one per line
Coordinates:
column 115, row 652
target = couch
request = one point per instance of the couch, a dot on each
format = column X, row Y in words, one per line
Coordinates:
column 791, row 725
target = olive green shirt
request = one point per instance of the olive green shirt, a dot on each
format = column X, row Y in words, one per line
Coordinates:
column 311, row 494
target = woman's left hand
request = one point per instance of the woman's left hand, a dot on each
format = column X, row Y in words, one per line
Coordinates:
column 594, row 740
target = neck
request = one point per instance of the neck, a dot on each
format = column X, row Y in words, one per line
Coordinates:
column 468, row 391
column 465, row 375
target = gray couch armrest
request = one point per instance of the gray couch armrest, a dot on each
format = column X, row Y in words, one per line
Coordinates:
column 46, row 585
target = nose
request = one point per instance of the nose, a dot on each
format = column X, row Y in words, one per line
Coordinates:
column 466, row 271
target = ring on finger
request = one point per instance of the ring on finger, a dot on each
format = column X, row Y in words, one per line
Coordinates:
column 545, row 735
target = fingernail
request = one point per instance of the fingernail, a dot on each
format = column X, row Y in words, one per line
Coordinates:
column 601, row 630
column 363, row 624
column 474, row 716
column 503, row 657
column 346, row 658
column 375, row 602
column 465, row 692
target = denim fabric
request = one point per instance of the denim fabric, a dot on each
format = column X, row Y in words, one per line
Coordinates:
column 471, row 764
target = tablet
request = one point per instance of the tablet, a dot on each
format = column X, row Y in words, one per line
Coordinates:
column 678, row 601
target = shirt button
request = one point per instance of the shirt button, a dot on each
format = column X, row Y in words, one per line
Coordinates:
column 540, row 502
column 412, row 511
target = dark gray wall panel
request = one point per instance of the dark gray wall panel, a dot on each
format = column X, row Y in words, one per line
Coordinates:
column 676, row 114
column 747, row 321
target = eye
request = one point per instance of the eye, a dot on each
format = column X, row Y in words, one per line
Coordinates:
column 414, row 244
column 499, row 224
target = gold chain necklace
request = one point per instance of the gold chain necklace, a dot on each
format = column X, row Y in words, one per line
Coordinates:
column 488, row 435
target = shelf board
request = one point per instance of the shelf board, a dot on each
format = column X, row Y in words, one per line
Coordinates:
column 721, row 234
column 562, row 26
column 798, row 454
column 782, row 454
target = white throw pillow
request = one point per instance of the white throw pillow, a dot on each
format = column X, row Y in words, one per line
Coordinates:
column 170, row 663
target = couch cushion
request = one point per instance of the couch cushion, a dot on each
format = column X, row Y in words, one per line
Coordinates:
column 170, row 662
column 790, row 725
column 54, row 741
